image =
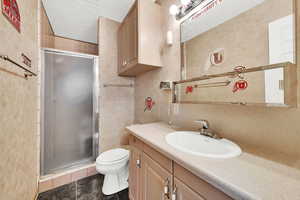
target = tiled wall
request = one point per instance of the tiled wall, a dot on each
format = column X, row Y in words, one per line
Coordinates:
column 116, row 103
column 275, row 130
column 18, row 107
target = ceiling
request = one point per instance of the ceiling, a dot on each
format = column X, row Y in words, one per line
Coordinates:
column 77, row 19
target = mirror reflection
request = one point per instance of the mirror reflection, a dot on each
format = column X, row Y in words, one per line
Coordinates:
column 224, row 34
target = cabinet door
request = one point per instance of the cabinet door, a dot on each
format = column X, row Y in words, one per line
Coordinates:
column 132, row 55
column 156, row 181
column 121, row 46
column 183, row 192
column 134, row 173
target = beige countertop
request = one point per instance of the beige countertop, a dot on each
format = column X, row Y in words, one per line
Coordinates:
column 245, row 177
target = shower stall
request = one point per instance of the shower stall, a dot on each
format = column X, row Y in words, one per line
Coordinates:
column 69, row 110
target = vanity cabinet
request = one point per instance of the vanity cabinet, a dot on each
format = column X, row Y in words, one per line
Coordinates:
column 135, row 168
column 140, row 39
column 156, row 181
column 153, row 176
column 204, row 190
column 134, row 171
column 183, row 192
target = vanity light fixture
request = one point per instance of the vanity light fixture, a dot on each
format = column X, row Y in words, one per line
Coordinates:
column 185, row 8
column 173, row 10
column 169, row 38
column 185, row 2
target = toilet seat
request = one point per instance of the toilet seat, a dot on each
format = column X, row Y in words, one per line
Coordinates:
column 113, row 156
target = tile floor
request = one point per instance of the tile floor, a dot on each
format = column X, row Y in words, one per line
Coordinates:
column 85, row 189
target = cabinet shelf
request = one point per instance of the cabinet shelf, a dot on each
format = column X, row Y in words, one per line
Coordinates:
column 269, row 86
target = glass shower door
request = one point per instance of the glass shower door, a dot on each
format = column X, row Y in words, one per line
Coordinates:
column 69, row 115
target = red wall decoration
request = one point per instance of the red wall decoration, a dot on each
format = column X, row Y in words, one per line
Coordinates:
column 11, row 11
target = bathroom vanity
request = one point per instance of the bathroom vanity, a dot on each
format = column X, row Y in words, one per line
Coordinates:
column 159, row 171
column 155, row 176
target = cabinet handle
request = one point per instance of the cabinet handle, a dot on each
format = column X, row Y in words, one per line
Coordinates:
column 174, row 193
column 166, row 188
column 138, row 163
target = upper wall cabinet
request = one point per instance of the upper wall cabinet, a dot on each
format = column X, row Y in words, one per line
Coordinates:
column 140, row 39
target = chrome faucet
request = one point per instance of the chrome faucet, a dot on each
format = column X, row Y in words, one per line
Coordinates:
column 205, row 131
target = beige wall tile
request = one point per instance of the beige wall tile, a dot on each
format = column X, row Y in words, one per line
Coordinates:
column 79, row 174
column 116, row 104
column 45, row 185
column 91, row 171
column 18, row 107
column 62, row 180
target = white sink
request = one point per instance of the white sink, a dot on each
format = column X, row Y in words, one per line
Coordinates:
column 196, row 144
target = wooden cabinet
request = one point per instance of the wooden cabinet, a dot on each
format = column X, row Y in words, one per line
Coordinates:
column 183, row 192
column 134, row 171
column 204, row 189
column 156, row 181
column 140, row 39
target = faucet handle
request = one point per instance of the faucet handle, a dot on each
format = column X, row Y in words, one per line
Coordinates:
column 204, row 123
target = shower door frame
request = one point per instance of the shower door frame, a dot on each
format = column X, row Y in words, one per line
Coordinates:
column 95, row 122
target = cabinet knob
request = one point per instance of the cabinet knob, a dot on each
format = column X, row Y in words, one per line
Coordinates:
column 138, row 163
column 166, row 188
column 174, row 193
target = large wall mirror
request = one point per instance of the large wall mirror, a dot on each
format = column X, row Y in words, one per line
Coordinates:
column 239, row 51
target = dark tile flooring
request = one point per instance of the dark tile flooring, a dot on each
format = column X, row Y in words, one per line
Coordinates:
column 89, row 188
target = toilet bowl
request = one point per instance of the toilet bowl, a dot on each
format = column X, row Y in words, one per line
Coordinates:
column 113, row 164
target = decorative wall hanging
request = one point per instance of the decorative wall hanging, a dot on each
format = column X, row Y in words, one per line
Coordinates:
column 189, row 89
column 10, row 10
column 217, row 57
column 149, row 103
column 241, row 84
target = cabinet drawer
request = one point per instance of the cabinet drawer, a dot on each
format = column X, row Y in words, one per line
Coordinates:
column 135, row 142
column 158, row 157
column 195, row 183
column 151, row 152
column 183, row 192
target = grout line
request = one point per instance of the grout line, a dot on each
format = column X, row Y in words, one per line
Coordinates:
column 76, row 188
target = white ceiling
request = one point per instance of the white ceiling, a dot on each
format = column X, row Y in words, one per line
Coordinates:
column 77, row 19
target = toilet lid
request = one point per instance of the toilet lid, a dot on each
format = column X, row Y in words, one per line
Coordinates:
column 113, row 155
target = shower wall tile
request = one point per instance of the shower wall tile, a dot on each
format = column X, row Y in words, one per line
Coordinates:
column 62, row 180
column 79, row 174
column 91, row 171
column 45, row 185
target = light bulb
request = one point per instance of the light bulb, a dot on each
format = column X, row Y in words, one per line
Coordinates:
column 185, row 2
column 173, row 10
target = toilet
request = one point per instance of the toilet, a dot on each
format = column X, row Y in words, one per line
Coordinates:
column 113, row 164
